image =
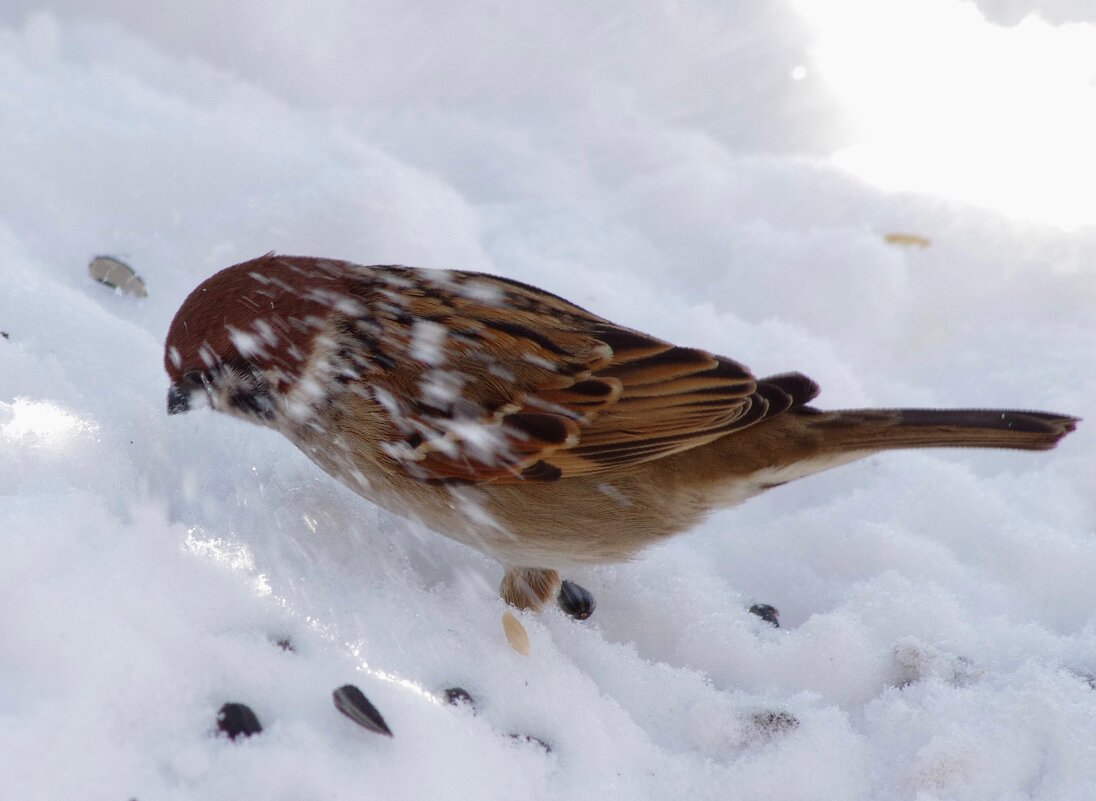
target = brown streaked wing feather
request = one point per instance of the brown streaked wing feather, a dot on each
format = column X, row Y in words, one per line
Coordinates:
column 670, row 402
column 527, row 386
column 462, row 359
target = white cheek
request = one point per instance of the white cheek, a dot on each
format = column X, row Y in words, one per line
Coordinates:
column 202, row 400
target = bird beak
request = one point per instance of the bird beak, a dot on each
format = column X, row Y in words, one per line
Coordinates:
column 178, row 401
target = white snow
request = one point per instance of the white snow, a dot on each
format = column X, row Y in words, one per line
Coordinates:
column 667, row 165
column 941, row 100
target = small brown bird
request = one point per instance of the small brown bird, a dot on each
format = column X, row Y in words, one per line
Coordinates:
column 514, row 421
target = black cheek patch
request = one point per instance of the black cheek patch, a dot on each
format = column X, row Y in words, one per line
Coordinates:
column 257, row 403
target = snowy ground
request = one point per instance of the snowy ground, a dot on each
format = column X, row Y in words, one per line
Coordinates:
column 665, row 165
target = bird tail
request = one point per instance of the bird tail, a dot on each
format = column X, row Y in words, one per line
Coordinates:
column 890, row 429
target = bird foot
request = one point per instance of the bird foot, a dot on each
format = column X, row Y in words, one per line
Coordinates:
column 532, row 587
column 529, row 587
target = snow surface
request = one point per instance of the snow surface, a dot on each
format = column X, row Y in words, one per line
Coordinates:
column 664, row 164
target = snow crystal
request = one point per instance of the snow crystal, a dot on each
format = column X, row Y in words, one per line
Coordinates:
column 40, row 421
column 247, row 344
column 428, row 341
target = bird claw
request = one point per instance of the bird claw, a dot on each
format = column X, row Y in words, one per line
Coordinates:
column 529, row 587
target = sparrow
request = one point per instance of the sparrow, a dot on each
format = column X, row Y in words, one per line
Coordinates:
column 514, row 421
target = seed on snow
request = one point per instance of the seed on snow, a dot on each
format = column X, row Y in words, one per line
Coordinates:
column 237, row 720
column 118, row 275
column 770, row 614
column 516, row 634
column 575, row 600
column 458, row 696
column 352, row 702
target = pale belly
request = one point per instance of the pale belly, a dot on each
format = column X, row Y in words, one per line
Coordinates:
column 582, row 520
column 560, row 524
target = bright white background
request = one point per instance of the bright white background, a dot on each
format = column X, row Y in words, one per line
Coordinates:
column 719, row 174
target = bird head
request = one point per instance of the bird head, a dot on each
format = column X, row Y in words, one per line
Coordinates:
column 242, row 340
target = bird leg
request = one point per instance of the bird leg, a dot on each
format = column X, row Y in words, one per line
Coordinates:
column 529, row 587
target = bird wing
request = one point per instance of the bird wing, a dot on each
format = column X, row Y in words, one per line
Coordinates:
column 487, row 379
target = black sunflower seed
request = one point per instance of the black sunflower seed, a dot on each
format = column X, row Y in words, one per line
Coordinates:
column 352, row 702
column 458, row 696
column 770, row 614
column 237, row 720
column 576, row 601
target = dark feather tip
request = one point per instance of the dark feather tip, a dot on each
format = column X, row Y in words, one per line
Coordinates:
column 542, row 471
column 551, row 429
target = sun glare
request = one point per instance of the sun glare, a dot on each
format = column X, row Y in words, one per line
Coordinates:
column 40, row 421
column 945, row 102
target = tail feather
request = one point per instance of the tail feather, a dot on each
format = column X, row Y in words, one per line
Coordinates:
column 886, row 429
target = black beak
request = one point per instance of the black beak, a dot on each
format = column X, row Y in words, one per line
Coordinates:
column 178, row 401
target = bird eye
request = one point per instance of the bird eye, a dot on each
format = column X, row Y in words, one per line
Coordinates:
column 195, row 379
